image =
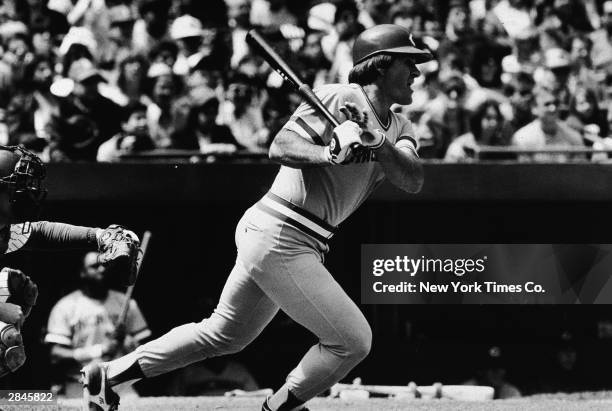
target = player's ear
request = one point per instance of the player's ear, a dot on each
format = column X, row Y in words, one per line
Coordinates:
column 345, row 112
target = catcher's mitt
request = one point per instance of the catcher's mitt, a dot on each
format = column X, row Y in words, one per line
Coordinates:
column 119, row 250
column 18, row 288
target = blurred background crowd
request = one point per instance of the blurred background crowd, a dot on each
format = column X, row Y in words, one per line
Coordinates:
column 87, row 80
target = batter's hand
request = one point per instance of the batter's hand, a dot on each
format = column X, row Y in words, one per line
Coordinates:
column 344, row 138
column 371, row 139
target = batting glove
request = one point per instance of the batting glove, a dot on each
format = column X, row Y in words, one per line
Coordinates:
column 344, row 138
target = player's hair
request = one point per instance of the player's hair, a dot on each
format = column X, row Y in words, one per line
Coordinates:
column 368, row 71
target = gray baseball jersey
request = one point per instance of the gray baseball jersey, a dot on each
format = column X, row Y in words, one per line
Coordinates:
column 333, row 193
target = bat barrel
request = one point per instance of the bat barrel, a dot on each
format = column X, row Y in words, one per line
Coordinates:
column 259, row 45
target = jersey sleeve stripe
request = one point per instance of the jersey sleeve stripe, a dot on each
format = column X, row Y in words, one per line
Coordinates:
column 58, row 339
column 407, row 138
column 141, row 335
column 409, row 146
column 313, row 134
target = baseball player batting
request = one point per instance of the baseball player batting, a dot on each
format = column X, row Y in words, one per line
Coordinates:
column 326, row 173
column 21, row 194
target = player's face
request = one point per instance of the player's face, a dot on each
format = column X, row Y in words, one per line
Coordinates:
column 93, row 280
column 92, row 269
column 399, row 78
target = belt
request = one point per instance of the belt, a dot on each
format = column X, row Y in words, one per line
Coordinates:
column 299, row 218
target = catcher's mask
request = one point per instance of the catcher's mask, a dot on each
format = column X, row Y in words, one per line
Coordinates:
column 22, row 174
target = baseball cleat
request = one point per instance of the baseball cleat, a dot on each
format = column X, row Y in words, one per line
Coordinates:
column 97, row 396
column 266, row 407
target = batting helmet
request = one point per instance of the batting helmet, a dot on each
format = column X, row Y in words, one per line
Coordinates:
column 22, row 174
column 387, row 39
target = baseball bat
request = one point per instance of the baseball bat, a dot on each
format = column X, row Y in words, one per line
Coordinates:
column 454, row 392
column 146, row 237
column 259, row 45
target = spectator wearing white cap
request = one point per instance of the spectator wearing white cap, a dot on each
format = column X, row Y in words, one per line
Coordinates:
column 187, row 32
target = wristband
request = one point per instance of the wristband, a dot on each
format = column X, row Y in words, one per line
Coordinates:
column 327, row 155
column 382, row 142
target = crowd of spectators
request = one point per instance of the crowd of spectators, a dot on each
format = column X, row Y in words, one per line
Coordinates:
column 86, row 80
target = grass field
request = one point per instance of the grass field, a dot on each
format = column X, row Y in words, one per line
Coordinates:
column 559, row 402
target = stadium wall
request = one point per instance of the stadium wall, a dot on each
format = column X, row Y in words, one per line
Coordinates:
column 192, row 210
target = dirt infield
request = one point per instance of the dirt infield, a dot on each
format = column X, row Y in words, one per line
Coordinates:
column 574, row 402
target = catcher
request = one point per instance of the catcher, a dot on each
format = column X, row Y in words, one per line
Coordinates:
column 21, row 195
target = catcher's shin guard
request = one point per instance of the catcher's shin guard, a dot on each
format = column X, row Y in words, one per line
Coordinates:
column 12, row 353
column 97, row 394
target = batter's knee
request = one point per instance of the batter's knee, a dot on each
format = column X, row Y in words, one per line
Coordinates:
column 220, row 342
column 356, row 345
column 360, row 348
